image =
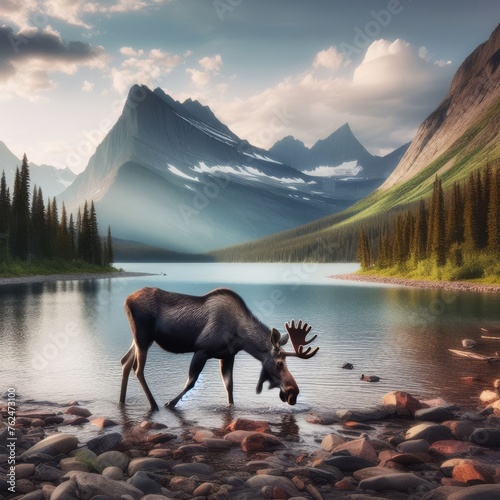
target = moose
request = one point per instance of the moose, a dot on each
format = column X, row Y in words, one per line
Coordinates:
column 216, row 325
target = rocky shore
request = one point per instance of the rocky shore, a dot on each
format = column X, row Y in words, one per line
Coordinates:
column 402, row 449
column 459, row 286
column 42, row 278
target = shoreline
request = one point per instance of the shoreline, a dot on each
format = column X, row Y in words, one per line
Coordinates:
column 458, row 286
column 398, row 449
column 46, row 278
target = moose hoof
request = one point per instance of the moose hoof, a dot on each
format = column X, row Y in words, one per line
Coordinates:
column 155, row 408
column 170, row 404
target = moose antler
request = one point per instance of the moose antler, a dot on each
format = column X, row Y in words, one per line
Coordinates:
column 298, row 337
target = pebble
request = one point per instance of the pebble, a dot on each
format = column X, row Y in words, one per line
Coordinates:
column 391, row 458
column 400, row 482
column 78, row 410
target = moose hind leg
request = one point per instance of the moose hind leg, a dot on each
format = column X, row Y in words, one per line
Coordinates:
column 140, row 360
column 226, row 371
column 195, row 368
column 127, row 361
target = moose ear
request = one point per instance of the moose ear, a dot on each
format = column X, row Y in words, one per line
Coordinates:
column 275, row 337
column 283, row 339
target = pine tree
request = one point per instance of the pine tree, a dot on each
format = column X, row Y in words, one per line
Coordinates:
column 95, row 240
column 364, row 251
column 5, row 209
column 38, row 224
column 72, row 236
column 419, row 242
column 472, row 213
column 438, row 236
column 494, row 212
column 84, row 240
column 455, row 217
column 20, row 216
column 65, row 247
column 109, row 256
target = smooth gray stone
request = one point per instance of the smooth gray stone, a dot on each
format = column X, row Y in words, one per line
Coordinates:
column 429, row 432
column 65, row 491
column 53, row 445
column 258, row 482
column 193, row 469
column 147, row 463
column 90, row 485
column 349, row 463
column 107, row 442
column 144, row 483
column 399, row 482
column 480, row 492
column 436, row 414
column 414, row 446
column 486, row 437
column 113, row 459
column 44, row 472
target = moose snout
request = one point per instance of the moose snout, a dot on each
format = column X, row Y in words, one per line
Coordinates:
column 289, row 395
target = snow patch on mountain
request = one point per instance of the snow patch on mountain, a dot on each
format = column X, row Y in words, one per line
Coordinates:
column 346, row 169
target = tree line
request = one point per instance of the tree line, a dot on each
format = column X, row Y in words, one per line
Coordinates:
column 31, row 228
column 463, row 221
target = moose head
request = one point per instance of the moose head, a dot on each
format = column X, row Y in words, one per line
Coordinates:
column 274, row 368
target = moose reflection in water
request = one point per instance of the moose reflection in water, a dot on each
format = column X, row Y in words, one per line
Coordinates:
column 216, row 325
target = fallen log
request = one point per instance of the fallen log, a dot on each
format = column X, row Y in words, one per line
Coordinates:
column 473, row 355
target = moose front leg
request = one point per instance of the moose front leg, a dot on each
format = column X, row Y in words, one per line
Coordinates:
column 226, row 371
column 195, row 368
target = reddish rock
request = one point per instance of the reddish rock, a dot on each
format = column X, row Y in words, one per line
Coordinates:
column 160, row 438
column 203, row 490
column 152, row 425
column 397, row 457
column 202, row 434
column 450, row 448
column 472, row 474
column 344, row 484
column 359, row 448
column 103, row 422
column 298, row 482
column 279, row 493
column 468, row 380
column 243, row 424
column 258, row 441
column 357, row 425
column 460, row 429
column 331, row 441
column 78, row 410
column 38, row 422
column 236, row 437
column 405, row 403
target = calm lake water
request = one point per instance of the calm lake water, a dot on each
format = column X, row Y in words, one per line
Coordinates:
column 63, row 341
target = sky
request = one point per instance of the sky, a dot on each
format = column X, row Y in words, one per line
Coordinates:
column 267, row 68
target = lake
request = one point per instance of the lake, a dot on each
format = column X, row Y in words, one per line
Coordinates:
column 62, row 341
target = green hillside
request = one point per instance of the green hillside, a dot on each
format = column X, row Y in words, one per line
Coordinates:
column 335, row 238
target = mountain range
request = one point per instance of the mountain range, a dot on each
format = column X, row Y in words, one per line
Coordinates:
column 52, row 180
column 461, row 135
column 172, row 175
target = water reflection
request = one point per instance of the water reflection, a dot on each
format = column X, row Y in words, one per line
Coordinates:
column 63, row 340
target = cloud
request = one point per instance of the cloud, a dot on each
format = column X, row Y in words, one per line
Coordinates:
column 143, row 68
column 28, row 58
column 384, row 98
column 330, row 59
column 88, row 86
column 211, row 66
column 37, row 12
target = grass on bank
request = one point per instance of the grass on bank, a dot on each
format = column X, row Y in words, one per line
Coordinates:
column 15, row 268
column 481, row 268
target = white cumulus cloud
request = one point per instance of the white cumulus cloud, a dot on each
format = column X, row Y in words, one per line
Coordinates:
column 384, row 99
column 330, row 59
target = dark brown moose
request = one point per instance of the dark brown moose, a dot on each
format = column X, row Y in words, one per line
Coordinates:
column 215, row 325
